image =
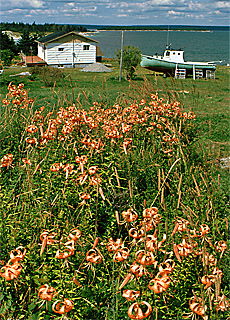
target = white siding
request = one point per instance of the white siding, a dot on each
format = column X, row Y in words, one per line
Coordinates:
column 65, row 57
column 41, row 51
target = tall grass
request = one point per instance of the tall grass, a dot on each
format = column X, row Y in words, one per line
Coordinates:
column 109, row 211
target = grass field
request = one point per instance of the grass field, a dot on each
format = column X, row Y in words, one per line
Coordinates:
column 208, row 99
column 113, row 204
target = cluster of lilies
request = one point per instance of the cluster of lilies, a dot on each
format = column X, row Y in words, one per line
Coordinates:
column 98, row 126
column 13, row 267
column 17, row 96
column 92, row 131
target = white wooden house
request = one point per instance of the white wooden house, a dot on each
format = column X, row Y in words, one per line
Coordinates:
column 61, row 49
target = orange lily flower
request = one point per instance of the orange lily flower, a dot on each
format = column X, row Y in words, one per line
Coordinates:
column 74, row 234
column 160, row 283
column 62, row 306
column 113, row 245
column 47, row 239
column 223, row 304
column 11, row 270
column 196, row 305
column 93, row 256
column 66, row 252
column 19, row 254
column 150, row 212
column 32, row 128
column 46, row 292
column 137, row 270
column 95, row 180
column 27, row 161
column 145, row 258
column 84, row 196
column 129, row 215
column 151, row 242
column 131, row 295
column 168, row 267
column 56, row 167
column 208, row 280
column 138, row 313
column 7, row 160
column 220, row 246
column 121, row 254
column 135, row 234
column 92, row 170
column 204, row 229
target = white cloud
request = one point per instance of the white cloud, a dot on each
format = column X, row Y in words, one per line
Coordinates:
column 222, row 4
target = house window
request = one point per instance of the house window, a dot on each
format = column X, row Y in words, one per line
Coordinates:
column 60, row 49
column 86, row 47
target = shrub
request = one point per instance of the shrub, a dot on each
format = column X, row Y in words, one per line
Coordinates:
column 131, row 59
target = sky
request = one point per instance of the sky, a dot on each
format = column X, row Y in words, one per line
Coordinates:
column 119, row 12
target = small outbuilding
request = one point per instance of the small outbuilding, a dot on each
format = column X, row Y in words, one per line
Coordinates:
column 68, row 49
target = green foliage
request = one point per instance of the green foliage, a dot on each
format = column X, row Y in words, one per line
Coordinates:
column 131, row 59
column 48, row 75
column 144, row 152
column 6, row 43
column 6, row 56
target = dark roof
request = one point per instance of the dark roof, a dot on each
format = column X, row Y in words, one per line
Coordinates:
column 58, row 35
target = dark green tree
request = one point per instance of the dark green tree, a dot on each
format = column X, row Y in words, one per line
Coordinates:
column 7, row 43
column 26, row 43
column 131, row 59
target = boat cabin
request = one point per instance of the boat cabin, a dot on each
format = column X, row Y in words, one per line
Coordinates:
column 174, row 55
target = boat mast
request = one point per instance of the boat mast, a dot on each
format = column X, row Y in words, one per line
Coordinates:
column 168, row 45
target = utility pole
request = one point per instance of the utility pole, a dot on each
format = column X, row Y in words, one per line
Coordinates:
column 31, row 54
column 73, row 51
column 122, row 40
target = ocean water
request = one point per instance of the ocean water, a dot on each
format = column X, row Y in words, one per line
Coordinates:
column 197, row 45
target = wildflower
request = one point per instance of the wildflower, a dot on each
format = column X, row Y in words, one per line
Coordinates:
column 74, row 234
column 137, row 269
column 135, row 312
column 62, row 306
column 47, row 239
column 136, row 234
column 196, row 305
column 7, row 160
column 220, row 246
column 93, row 257
column 130, row 295
column 223, row 303
column 145, row 258
column 160, row 283
column 26, row 161
column 31, row 140
column 32, row 128
column 46, row 292
column 129, row 215
column 113, row 245
column 11, row 270
column 121, row 254
column 66, row 251
column 92, row 170
column 84, row 196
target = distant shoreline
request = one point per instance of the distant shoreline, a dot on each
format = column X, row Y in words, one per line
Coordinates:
column 154, row 30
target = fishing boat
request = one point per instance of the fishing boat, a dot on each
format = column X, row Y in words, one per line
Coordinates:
column 172, row 62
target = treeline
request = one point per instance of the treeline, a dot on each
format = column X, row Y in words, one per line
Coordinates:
column 40, row 29
column 165, row 27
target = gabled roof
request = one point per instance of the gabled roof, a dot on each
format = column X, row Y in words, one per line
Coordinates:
column 57, row 35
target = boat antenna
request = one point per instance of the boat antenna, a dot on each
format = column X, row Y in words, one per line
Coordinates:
column 167, row 46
